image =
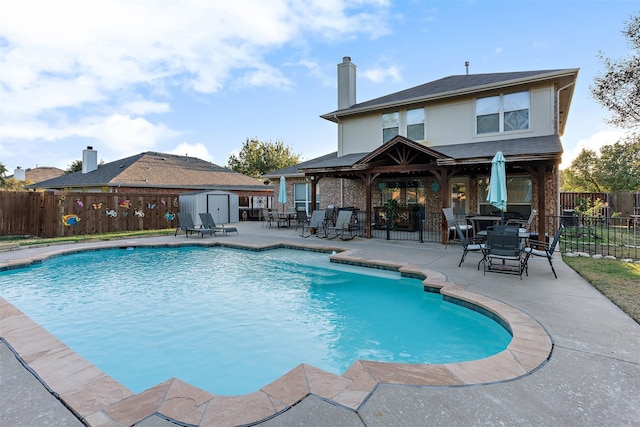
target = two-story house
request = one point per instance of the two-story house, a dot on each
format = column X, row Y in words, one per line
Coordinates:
column 431, row 146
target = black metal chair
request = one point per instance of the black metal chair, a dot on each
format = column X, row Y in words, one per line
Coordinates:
column 503, row 252
column 544, row 249
column 469, row 244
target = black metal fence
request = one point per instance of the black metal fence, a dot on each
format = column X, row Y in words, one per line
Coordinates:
column 618, row 236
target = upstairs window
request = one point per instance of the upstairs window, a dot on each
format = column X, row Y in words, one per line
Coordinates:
column 415, row 124
column 502, row 113
column 390, row 125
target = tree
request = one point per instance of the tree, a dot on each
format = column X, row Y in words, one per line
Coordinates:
column 258, row 157
column 75, row 166
column 618, row 89
column 615, row 169
column 12, row 184
column 582, row 174
column 3, row 171
column 619, row 165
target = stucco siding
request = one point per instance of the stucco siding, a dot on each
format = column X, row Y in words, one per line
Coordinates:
column 361, row 134
column 448, row 123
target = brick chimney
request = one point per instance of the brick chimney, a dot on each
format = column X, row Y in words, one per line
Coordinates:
column 346, row 83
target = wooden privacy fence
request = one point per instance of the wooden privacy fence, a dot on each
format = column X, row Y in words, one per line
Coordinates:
column 624, row 203
column 59, row 214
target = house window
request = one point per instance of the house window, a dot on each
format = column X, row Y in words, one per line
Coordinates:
column 415, row 124
column 519, row 195
column 302, row 197
column 390, row 125
column 502, row 113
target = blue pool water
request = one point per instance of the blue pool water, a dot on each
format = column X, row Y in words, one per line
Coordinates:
column 231, row 321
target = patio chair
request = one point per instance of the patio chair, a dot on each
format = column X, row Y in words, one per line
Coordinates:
column 209, row 223
column 503, row 252
column 343, row 227
column 314, row 225
column 301, row 218
column 269, row 218
column 544, row 249
column 451, row 224
column 471, row 244
column 329, row 216
column 185, row 222
column 524, row 223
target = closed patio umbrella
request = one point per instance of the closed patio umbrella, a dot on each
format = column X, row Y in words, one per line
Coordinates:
column 282, row 194
column 497, row 195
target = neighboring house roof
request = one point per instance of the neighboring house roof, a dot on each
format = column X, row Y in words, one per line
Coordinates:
column 460, row 85
column 158, row 170
column 41, row 173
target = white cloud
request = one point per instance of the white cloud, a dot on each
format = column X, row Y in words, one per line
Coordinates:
column 124, row 135
column 62, row 64
column 378, row 74
column 499, row 50
column 593, row 142
column 198, row 150
column 141, row 107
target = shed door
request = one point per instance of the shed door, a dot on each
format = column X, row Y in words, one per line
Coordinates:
column 218, row 206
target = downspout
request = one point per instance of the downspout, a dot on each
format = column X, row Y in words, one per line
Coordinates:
column 558, row 103
column 340, row 133
column 335, row 116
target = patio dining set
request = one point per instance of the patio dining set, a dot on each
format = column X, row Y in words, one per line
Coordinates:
column 505, row 245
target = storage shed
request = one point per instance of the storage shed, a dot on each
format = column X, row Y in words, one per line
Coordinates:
column 222, row 205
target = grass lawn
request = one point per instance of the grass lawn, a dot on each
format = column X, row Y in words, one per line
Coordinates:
column 30, row 240
column 618, row 281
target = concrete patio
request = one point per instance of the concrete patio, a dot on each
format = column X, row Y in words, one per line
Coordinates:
column 591, row 378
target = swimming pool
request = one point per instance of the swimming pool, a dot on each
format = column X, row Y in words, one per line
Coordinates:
column 180, row 311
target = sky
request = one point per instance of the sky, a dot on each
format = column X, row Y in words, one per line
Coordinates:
column 200, row 77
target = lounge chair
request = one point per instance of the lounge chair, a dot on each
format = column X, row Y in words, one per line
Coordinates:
column 314, row 225
column 185, row 222
column 503, row 252
column 209, row 223
column 544, row 249
column 469, row 244
column 343, row 228
column 451, row 226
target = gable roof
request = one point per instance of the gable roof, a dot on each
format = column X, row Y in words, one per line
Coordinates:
column 454, row 86
column 400, row 144
column 158, row 170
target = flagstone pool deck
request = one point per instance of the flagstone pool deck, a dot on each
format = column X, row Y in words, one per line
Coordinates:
column 574, row 359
